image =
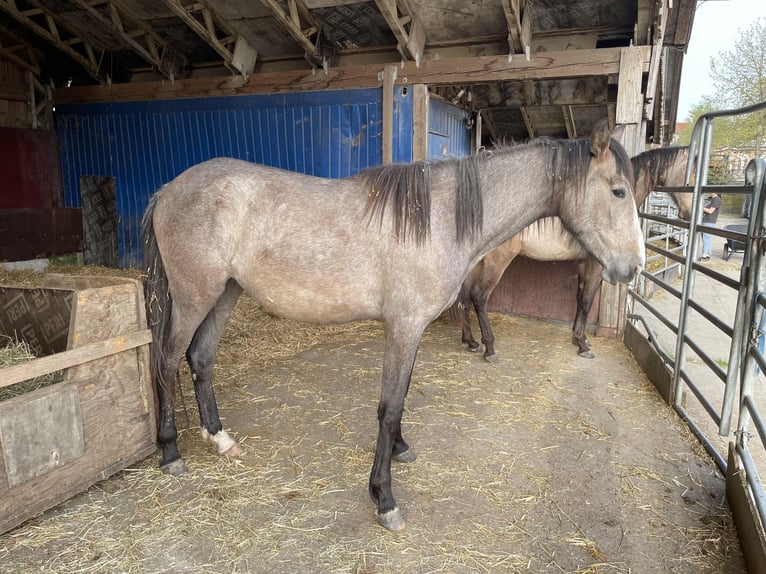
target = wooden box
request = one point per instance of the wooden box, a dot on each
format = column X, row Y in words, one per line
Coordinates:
column 99, row 418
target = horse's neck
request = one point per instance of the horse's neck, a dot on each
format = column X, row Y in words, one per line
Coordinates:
column 517, row 191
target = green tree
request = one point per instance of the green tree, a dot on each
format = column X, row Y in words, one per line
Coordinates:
column 739, row 79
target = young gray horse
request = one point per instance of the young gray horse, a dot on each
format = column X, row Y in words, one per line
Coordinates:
column 394, row 243
column 548, row 240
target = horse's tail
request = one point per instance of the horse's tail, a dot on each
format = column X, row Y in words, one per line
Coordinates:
column 159, row 303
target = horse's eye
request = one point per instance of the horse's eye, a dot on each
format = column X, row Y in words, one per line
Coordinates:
column 619, row 192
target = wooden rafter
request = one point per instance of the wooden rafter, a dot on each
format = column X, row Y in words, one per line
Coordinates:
column 134, row 31
column 15, row 50
column 301, row 25
column 519, row 27
column 406, row 27
column 44, row 23
column 565, row 64
column 569, row 121
column 237, row 54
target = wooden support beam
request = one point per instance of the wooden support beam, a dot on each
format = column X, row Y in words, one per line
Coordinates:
column 530, row 125
column 217, row 33
column 656, row 59
column 612, row 305
column 389, row 76
column 44, row 23
column 18, row 52
column 294, row 26
column 420, row 105
column 519, row 24
column 406, row 26
column 484, row 69
column 133, row 31
column 569, row 122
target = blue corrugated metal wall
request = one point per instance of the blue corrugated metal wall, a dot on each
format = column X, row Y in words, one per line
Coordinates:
column 448, row 135
column 146, row 144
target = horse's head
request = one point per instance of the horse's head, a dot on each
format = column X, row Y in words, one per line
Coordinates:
column 664, row 167
column 604, row 217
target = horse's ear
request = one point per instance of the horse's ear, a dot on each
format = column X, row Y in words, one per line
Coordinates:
column 599, row 138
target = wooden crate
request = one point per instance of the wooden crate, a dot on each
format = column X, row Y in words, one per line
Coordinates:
column 60, row 439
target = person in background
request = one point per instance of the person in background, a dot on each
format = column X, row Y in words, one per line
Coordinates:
column 709, row 217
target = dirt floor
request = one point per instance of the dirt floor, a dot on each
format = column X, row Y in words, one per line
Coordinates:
column 541, row 463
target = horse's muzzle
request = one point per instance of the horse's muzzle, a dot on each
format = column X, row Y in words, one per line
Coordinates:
column 621, row 273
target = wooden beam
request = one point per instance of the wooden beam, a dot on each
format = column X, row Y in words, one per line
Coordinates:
column 406, row 26
column 292, row 24
column 217, row 33
column 133, row 31
column 484, row 69
column 569, row 122
column 528, row 122
column 519, row 24
column 657, row 55
column 18, row 51
column 612, row 304
column 389, row 76
column 420, row 105
column 48, row 29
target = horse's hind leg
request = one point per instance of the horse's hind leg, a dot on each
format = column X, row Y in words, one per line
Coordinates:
column 479, row 299
column 463, row 317
column 201, row 357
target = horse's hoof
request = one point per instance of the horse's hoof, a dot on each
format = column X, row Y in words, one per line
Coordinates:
column 473, row 349
column 234, row 451
column 491, row 358
column 587, row 354
column 408, row 455
column 391, row 520
column 175, row 468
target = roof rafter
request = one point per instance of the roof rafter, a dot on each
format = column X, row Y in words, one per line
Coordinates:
column 134, row 31
column 43, row 23
column 519, row 27
column 236, row 52
column 300, row 33
column 15, row 50
column 406, row 27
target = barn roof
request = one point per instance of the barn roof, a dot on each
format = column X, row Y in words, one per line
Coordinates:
column 532, row 67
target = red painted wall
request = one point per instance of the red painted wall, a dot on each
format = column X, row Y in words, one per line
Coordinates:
column 30, row 174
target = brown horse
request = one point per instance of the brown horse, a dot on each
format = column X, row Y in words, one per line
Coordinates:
column 548, row 240
column 394, row 243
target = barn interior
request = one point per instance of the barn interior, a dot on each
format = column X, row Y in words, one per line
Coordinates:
column 524, row 68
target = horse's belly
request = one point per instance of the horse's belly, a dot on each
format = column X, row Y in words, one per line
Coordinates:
column 552, row 251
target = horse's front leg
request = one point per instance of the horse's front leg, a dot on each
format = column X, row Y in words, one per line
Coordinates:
column 399, row 357
column 588, row 285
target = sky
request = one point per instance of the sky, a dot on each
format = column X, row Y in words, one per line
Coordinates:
column 717, row 24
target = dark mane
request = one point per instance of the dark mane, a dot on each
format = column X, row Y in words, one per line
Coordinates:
column 569, row 160
column 655, row 163
column 406, row 188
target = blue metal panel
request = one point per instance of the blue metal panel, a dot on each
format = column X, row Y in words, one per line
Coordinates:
column 448, row 135
column 146, row 144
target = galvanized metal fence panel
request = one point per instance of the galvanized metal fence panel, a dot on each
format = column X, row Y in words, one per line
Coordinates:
column 716, row 397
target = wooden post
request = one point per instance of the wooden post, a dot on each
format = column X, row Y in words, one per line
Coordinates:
column 389, row 75
column 420, row 122
column 629, row 113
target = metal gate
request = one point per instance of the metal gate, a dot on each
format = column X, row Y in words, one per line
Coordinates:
column 678, row 331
